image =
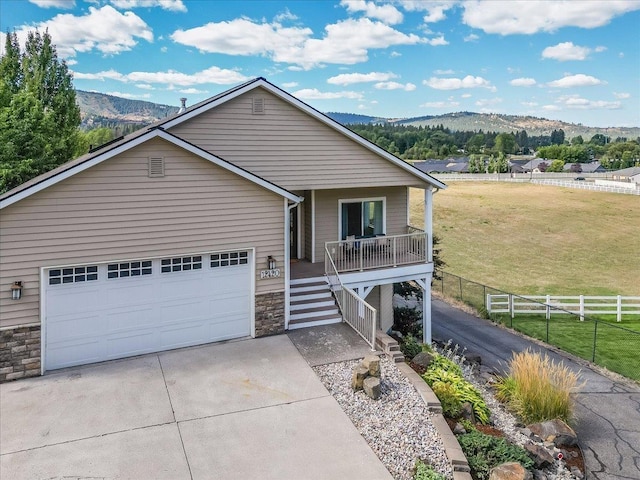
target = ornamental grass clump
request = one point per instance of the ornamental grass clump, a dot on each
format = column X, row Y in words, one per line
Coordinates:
column 537, row 388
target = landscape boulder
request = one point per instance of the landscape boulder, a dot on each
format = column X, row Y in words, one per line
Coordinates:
column 542, row 457
column 422, row 359
column 359, row 374
column 510, row 471
column 372, row 364
column 371, row 387
column 555, row 431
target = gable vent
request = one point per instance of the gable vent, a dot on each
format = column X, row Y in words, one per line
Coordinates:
column 258, row 106
column 156, row 166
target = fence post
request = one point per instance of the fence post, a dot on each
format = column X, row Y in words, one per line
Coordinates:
column 582, row 308
column 488, row 303
column 513, row 313
column 484, row 291
column 548, row 312
column 619, row 309
column 442, row 281
column 595, row 336
column 460, row 278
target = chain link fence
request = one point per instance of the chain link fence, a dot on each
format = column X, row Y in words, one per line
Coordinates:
column 605, row 343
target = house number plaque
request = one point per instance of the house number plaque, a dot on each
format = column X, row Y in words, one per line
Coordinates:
column 273, row 273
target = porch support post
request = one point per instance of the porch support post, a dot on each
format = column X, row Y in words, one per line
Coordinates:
column 426, row 311
column 313, row 226
column 428, row 221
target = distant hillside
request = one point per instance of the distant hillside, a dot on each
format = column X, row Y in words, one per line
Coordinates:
column 99, row 109
column 470, row 121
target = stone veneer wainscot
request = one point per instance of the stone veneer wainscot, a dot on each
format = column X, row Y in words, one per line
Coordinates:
column 269, row 314
column 19, row 352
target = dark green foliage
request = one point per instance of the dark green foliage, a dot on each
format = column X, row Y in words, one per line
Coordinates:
column 440, row 371
column 485, row 452
column 38, row 112
column 410, row 346
column 407, row 321
column 448, row 396
column 425, row 471
column 408, row 290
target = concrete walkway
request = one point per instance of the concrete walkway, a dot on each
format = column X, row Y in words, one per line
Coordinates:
column 237, row 410
column 607, row 409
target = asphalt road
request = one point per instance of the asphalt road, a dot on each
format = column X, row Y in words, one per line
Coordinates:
column 607, row 408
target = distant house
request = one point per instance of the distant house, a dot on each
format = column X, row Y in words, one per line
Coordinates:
column 450, row 165
column 535, row 165
column 592, row 167
column 631, row 174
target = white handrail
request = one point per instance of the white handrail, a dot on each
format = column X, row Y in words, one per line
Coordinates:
column 355, row 311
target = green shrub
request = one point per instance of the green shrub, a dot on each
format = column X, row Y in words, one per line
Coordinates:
column 448, row 396
column 485, row 452
column 538, row 389
column 440, row 362
column 426, row 472
column 410, row 346
column 464, row 391
column 407, row 321
column 505, row 388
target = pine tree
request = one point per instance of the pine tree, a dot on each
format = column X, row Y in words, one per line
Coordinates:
column 39, row 117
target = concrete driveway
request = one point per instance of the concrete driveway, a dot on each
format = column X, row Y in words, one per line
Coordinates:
column 238, row 410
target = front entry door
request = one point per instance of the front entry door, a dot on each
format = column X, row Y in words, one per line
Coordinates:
column 293, row 233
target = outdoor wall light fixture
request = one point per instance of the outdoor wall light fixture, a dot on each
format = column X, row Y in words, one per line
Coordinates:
column 16, row 290
column 271, row 262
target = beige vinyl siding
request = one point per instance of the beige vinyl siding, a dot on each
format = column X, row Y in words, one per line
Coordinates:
column 327, row 212
column 385, row 311
column 114, row 211
column 288, row 147
column 373, row 298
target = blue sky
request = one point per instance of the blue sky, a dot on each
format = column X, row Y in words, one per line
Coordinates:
column 571, row 60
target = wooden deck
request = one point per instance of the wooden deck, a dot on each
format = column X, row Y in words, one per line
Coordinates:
column 306, row 269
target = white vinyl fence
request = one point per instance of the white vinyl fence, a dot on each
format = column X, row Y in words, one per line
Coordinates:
column 582, row 305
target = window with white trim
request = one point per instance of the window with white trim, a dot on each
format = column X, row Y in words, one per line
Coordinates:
column 180, row 264
column 362, row 218
column 227, row 259
column 129, row 269
column 87, row 273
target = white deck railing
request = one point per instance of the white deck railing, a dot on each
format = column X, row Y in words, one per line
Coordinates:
column 355, row 311
column 582, row 305
column 377, row 252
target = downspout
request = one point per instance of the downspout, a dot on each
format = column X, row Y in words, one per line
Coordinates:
column 287, row 260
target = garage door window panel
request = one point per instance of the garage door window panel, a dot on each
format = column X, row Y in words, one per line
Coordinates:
column 66, row 275
column 228, row 259
column 181, row 264
column 129, row 269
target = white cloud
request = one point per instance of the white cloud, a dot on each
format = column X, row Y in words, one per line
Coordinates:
column 523, row 82
column 444, row 72
column 286, row 15
column 145, row 86
column 529, row 104
column 67, row 4
column 438, row 41
column 170, row 5
column 580, row 103
column 600, row 49
column 458, row 83
column 395, row 54
column 128, row 95
column 290, row 84
column 579, row 80
column 440, row 104
column 622, row 95
column 71, row 62
column 466, row 95
column 351, row 78
column 346, row 42
column 103, row 29
column 315, row 94
column 386, row 13
column 551, row 108
column 487, row 102
column 566, row 51
column 213, row 75
column 407, row 87
column 532, row 16
column 193, row 91
column 471, row 38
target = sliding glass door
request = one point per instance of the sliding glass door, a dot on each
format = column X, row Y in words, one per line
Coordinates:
column 363, row 218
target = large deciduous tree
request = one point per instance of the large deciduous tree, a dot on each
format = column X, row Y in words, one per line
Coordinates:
column 39, row 117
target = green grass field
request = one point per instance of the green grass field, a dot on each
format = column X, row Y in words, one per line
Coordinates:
column 533, row 240
column 537, row 239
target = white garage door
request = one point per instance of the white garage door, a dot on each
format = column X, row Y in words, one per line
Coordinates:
column 105, row 311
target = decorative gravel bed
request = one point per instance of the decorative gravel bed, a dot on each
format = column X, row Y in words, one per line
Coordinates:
column 397, row 426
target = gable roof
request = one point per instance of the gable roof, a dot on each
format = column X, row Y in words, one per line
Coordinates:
column 261, row 82
column 136, row 138
column 122, row 145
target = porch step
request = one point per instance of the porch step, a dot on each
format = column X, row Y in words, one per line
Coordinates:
column 312, row 303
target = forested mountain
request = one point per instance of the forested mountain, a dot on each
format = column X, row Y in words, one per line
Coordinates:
column 101, row 110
